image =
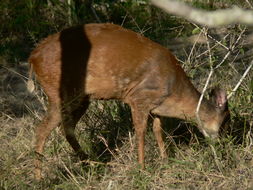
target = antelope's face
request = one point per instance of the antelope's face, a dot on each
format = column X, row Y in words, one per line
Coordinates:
column 217, row 120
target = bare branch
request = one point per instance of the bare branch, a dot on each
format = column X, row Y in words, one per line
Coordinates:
column 216, row 18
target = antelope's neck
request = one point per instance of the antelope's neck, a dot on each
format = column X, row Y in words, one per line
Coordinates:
column 183, row 103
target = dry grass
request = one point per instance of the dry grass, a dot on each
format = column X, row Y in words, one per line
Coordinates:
column 188, row 167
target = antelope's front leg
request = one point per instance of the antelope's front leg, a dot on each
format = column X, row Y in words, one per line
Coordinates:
column 140, row 124
column 157, row 129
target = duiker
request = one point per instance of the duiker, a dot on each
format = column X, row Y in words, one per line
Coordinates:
column 106, row 61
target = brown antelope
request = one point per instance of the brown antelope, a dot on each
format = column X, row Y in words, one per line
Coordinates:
column 106, row 61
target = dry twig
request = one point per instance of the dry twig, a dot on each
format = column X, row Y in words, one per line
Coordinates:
column 240, row 81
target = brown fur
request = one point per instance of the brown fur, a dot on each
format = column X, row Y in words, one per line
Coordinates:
column 106, row 61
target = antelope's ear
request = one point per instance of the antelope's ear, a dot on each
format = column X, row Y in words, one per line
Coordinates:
column 219, row 98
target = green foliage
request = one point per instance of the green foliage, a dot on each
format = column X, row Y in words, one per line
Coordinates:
column 26, row 22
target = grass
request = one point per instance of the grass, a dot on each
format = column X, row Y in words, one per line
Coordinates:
column 192, row 162
column 189, row 167
column 105, row 132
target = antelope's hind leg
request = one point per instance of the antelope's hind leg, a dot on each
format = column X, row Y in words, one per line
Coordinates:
column 51, row 121
column 70, row 117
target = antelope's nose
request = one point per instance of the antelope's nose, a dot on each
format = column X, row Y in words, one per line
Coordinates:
column 212, row 135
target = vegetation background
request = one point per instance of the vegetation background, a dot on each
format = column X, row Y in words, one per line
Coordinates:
column 105, row 131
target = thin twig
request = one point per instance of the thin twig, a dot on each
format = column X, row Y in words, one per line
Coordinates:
column 206, row 84
column 209, row 36
column 71, row 175
column 239, row 37
column 107, row 146
column 223, row 60
column 240, row 81
column 123, row 21
column 195, row 42
column 15, row 72
column 94, row 13
column 216, row 44
column 231, row 49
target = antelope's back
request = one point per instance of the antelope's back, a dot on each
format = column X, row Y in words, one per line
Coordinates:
column 104, row 60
